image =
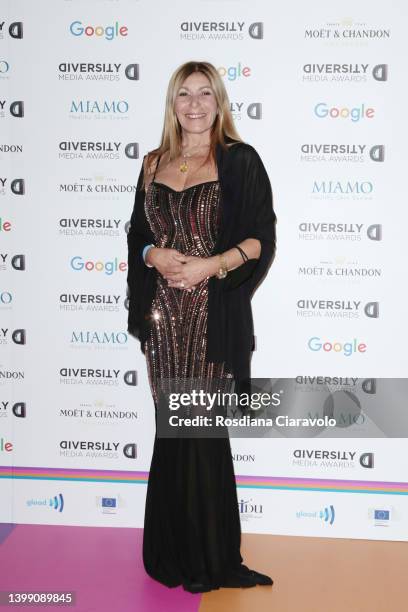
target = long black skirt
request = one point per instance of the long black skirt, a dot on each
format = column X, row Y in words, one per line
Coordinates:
column 192, row 530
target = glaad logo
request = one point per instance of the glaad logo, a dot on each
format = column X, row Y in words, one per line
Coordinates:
column 220, row 30
column 96, row 71
column 343, row 72
column 253, row 110
column 327, row 514
column 15, row 29
column 76, row 28
column 355, row 114
column 56, row 502
column 16, row 108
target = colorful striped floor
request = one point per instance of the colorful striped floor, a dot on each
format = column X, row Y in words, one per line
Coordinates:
column 288, row 483
column 104, row 567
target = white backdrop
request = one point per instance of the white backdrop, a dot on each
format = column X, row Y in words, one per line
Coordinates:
column 82, row 88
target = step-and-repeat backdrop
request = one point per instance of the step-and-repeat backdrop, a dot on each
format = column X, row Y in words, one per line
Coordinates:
column 320, row 91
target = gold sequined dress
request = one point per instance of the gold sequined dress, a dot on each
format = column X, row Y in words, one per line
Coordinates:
column 192, row 528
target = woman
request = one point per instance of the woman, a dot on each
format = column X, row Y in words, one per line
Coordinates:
column 201, row 236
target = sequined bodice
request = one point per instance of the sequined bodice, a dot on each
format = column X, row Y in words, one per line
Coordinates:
column 184, row 220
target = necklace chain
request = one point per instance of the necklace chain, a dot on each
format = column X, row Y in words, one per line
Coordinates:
column 184, row 164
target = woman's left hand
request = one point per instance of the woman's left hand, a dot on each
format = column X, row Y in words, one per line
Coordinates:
column 195, row 269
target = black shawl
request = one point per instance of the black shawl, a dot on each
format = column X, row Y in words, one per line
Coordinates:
column 246, row 212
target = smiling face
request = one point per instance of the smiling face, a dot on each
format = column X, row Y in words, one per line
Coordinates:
column 195, row 104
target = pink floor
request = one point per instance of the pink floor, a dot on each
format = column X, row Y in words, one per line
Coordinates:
column 102, row 565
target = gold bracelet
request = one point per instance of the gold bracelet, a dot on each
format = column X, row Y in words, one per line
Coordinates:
column 223, row 269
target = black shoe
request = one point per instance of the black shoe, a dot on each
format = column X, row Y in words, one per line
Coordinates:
column 238, row 580
column 259, row 578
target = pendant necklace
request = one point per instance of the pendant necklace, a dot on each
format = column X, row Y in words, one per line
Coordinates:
column 184, row 164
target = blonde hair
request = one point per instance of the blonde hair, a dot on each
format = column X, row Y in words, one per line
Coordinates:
column 222, row 128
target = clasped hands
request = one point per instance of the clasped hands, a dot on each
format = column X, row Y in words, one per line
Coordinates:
column 182, row 271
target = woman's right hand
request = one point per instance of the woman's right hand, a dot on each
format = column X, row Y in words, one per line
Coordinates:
column 166, row 260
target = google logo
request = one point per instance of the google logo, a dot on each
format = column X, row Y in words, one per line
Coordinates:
column 348, row 348
column 109, row 33
column 109, row 267
column 322, row 111
column 234, row 72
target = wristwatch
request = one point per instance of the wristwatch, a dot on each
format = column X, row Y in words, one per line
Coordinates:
column 223, row 270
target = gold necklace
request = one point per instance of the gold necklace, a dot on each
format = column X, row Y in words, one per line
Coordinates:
column 184, row 164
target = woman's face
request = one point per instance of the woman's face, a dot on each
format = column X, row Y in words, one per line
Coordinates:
column 195, row 104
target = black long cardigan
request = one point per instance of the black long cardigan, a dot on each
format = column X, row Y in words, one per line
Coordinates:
column 246, row 212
